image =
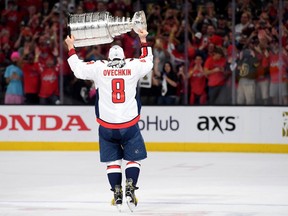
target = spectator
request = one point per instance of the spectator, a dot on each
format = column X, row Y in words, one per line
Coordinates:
column 278, row 90
column 45, row 48
column 229, row 15
column 154, row 19
column 199, row 23
column 71, row 8
column 31, row 79
column 89, row 6
column 11, row 17
column 272, row 11
column 222, row 28
column 247, row 67
column 130, row 43
column 25, row 36
column 262, row 79
column 214, row 69
column 210, row 50
column 149, row 96
column 14, row 76
column 182, row 82
column 245, row 6
column 212, row 37
column 45, row 8
column 24, row 5
column 79, row 91
column 66, row 72
column 160, row 53
column 32, row 14
column 79, row 9
column 198, row 82
column 49, row 86
column 94, row 54
column 169, row 85
column 210, row 13
column 230, row 68
column 119, row 6
column 101, row 6
column 244, row 23
column 35, row 24
column 197, row 40
column 209, row 41
column 169, row 22
column 6, row 45
column 175, row 48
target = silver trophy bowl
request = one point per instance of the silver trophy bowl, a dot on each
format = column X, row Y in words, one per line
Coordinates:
column 101, row 28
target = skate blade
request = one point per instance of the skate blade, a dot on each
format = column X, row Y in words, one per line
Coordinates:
column 119, row 207
column 130, row 204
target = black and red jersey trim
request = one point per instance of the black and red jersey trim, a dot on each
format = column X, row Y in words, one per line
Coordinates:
column 118, row 125
column 144, row 52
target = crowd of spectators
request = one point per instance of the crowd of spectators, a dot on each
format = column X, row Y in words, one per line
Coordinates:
column 30, row 62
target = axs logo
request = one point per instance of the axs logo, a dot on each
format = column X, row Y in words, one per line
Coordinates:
column 211, row 123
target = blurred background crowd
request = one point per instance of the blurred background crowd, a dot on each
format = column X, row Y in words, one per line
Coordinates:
column 205, row 52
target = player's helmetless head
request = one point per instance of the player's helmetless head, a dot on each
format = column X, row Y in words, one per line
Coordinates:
column 116, row 52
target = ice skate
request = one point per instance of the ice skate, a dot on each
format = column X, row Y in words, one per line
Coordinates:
column 118, row 197
column 130, row 194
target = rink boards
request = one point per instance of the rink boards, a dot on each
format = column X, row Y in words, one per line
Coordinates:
column 184, row 128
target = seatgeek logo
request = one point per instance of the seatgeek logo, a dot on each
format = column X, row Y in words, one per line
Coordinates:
column 214, row 123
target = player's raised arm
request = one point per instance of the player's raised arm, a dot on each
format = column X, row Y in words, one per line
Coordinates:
column 70, row 42
column 146, row 58
column 142, row 35
column 82, row 70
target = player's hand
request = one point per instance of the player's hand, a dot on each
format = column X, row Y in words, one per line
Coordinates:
column 70, row 41
column 142, row 33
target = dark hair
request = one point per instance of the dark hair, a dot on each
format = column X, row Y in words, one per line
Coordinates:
column 179, row 65
column 171, row 66
column 219, row 50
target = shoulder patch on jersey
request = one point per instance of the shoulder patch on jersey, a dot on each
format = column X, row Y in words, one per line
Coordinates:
column 142, row 60
column 90, row 62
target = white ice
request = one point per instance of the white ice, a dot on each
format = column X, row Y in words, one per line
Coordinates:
column 43, row 183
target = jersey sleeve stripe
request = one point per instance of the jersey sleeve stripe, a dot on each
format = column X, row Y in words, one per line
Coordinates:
column 144, row 52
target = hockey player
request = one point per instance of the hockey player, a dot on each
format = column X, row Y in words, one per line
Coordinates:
column 117, row 111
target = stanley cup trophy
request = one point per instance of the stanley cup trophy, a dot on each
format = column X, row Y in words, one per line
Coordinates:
column 101, row 28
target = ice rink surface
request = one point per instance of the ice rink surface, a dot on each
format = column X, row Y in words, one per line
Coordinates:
column 170, row 184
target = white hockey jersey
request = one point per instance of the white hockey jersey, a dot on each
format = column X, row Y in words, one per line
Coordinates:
column 117, row 103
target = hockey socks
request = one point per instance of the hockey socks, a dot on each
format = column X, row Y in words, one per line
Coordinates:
column 132, row 171
column 114, row 173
